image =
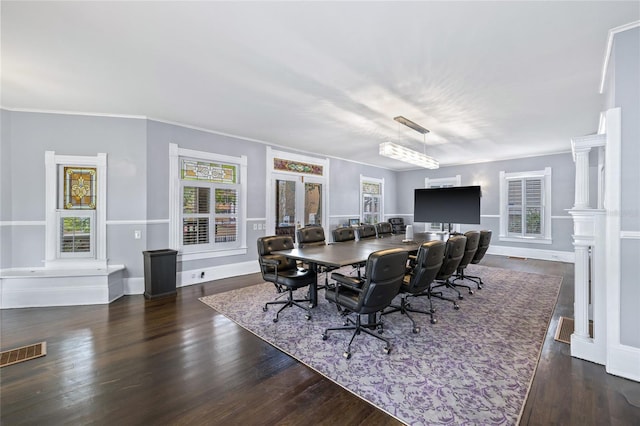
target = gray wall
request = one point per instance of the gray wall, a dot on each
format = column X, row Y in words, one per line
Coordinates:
column 31, row 134
column 626, row 95
column 138, row 159
column 5, row 188
column 344, row 181
column 487, row 175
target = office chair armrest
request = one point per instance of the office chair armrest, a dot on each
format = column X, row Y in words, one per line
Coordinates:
column 351, row 283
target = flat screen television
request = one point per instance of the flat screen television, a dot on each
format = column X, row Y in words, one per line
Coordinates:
column 457, row 204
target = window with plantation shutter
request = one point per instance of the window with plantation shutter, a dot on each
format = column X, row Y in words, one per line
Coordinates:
column 207, row 204
column 525, row 205
column 210, row 193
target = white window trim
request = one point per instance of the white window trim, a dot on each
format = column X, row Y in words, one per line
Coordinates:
column 440, row 182
column 175, row 202
column 380, row 182
column 504, row 235
column 52, row 161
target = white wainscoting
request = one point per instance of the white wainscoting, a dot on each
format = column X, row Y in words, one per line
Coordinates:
column 530, row 253
column 40, row 287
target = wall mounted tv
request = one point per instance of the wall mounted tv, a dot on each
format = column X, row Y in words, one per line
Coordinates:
column 457, row 204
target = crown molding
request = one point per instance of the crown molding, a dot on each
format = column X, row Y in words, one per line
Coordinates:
column 607, row 54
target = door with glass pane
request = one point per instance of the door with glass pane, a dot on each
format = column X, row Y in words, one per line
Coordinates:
column 298, row 203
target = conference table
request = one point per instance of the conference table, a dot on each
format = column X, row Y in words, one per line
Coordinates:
column 337, row 255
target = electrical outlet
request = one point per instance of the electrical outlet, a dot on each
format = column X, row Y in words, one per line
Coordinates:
column 255, row 226
column 137, row 234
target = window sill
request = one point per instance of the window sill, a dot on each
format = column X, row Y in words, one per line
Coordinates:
column 528, row 240
column 185, row 257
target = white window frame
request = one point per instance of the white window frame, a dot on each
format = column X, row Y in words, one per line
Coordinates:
column 442, row 183
column 546, row 208
column 377, row 181
column 99, row 228
column 212, row 250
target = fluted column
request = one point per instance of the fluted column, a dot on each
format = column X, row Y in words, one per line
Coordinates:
column 582, row 177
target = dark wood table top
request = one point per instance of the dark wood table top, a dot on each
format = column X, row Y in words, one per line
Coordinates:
column 352, row 252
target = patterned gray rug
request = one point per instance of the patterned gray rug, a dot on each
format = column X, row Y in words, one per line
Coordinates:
column 474, row 366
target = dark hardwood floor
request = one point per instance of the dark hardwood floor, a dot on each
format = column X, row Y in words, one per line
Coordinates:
column 176, row 361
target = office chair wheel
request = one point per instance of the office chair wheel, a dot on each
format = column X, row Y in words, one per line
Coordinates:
column 347, row 355
column 265, row 309
column 387, row 350
column 308, row 317
column 434, row 321
column 275, row 320
column 456, row 306
column 460, row 297
column 416, row 330
column 325, row 336
column 310, row 305
column 470, row 291
column 432, row 310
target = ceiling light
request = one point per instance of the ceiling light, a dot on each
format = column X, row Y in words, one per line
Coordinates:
column 398, row 152
column 415, row 126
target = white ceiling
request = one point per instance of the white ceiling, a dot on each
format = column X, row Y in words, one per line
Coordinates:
column 491, row 80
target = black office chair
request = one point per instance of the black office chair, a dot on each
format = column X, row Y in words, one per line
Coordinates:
column 283, row 272
column 385, row 270
column 483, row 245
column 310, row 236
column 470, row 248
column 397, row 224
column 424, row 268
column 453, row 253
column 383, row 229
column 343, row 234
column 366, row 231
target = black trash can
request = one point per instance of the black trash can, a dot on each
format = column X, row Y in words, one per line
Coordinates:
column 159, row 273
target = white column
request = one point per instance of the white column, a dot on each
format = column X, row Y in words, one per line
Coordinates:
column 582, row 177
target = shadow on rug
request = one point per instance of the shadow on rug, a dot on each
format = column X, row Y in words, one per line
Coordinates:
column 474, row 366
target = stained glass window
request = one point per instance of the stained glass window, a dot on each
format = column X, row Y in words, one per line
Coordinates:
column 80, row 188
column 208, row 172
column 297, row 166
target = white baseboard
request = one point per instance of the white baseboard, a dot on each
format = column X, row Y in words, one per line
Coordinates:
column 197, row 276
column 624, row 361
column 531, row 253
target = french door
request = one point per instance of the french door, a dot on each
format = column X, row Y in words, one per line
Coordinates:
column 298, row 201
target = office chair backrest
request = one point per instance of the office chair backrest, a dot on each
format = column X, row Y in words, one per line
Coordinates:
column 453, row 253
column 397, row 224
column 483, row 245
column 366, row 231
column 473, row 238
column 384, row 271
column 343, row 234
column 267, row 245
column 310, row 236
column 428, row 263
column 383, row 228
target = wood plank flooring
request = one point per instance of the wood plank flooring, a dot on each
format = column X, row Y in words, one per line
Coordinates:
column 176, row 361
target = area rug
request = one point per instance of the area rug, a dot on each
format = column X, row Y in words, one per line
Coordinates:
column 474, row 366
